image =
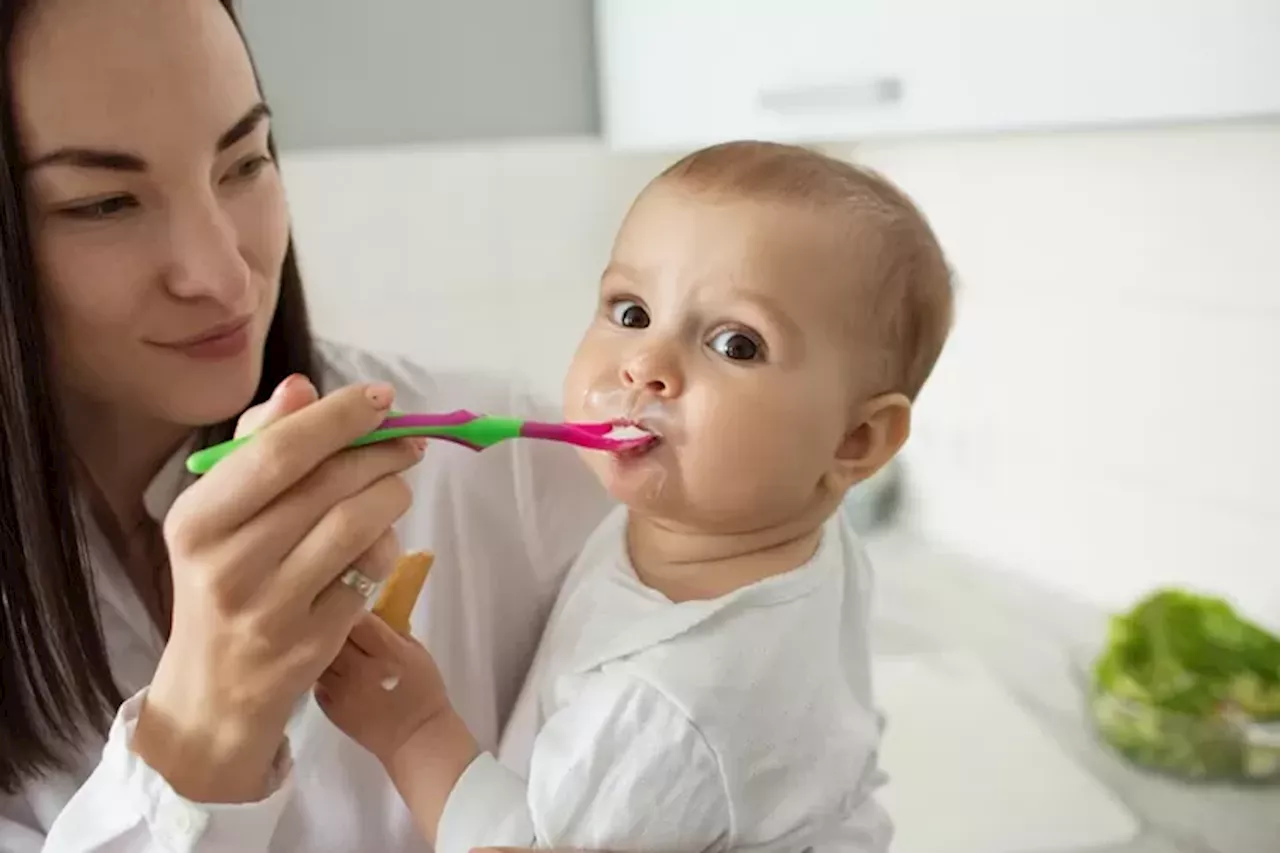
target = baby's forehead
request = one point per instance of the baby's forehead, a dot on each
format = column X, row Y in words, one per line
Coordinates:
column 734, row 230
column 729, row 226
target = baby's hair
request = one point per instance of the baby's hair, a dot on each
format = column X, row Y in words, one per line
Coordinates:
column 910, row 284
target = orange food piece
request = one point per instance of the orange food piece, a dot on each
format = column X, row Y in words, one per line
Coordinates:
column 401, row 591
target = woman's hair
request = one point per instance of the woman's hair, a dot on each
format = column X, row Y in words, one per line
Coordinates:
column 56, row 687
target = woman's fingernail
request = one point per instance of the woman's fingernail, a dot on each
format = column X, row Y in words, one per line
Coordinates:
column 380, row 394
column 419, row 444
column 285, row 385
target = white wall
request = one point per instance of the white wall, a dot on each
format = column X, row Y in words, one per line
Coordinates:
column 483, row 257
column 1107, row 416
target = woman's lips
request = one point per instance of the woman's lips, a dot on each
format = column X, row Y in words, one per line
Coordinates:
column 221, row 342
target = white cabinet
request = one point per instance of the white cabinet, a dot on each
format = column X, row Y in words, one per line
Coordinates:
column 681, row 73
column 342, row 74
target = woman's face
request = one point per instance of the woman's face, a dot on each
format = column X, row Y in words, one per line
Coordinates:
column 157, row 215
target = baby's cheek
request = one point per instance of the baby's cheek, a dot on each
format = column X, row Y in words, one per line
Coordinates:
column 731, row 438
column 763, row 471
column 731, row 472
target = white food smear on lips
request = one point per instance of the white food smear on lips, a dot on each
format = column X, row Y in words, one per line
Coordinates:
column 628, row 432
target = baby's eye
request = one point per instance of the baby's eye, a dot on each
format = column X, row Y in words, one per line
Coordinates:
column 629, row 314
column 736, row 346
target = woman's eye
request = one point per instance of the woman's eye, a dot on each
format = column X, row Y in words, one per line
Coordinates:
column 629, row 314
column 736, row 346
column 249, row 168
column 102, row 208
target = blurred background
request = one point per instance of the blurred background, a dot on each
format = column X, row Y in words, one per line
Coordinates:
column 1106, row 419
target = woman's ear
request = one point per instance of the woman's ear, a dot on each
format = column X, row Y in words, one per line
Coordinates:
column 882, row 426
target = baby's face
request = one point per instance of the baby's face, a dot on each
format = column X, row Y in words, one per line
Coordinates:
column 723, row 327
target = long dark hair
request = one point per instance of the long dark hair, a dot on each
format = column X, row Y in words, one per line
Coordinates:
column 56, row 686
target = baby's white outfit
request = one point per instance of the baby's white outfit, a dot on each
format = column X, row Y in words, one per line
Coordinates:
column 743, row 723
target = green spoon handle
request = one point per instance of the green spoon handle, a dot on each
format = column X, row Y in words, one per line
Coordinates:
column 478, row 433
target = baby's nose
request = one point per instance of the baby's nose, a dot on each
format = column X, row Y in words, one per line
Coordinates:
column 655, row 376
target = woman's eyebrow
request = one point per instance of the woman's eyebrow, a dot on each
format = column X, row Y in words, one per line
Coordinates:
column 257, row 114
column 90, row 158
column 124, row 161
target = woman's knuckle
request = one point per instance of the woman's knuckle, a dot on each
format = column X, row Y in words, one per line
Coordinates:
column 184, row 527
column 348, row 527
column 217, row 589
column 379, row 561
column 252, row 640
column 252, row 420
column 400, row 494
column 275, row 458
column 177, row 530
column 333, row 478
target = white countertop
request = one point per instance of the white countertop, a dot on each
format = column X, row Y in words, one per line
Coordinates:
column 930, row 602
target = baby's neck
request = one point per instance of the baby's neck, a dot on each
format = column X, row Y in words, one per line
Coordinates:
column 693, row 565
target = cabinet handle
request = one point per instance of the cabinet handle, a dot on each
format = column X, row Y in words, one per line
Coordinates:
column 876, row 92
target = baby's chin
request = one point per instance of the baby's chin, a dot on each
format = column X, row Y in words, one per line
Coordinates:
column 653, row 483
column 641, row 482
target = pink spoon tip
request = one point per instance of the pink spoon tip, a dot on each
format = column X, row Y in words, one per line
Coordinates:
column 634, row 442
column 593, row 436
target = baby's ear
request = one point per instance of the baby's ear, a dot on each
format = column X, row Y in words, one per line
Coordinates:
column 882, row 425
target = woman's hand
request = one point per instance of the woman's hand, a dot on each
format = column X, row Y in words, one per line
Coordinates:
column 256, row 548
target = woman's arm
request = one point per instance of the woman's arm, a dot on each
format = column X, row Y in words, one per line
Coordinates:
column 197, row 762
column 125, row 805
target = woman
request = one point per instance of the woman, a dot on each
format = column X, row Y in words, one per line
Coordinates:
column 148, row 295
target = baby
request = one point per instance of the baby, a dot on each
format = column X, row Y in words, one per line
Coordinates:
column 768, row 315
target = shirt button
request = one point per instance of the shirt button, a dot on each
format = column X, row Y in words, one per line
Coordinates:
column 179, row 825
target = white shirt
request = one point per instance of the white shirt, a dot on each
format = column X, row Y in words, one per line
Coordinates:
column 505, row 525
column 743, row 723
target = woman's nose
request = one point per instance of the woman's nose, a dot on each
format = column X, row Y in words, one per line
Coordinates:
column 205, row 258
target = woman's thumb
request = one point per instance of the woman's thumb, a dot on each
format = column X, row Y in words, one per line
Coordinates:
column 290, row 395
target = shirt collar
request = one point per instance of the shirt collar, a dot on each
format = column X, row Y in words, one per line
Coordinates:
column 172, row 479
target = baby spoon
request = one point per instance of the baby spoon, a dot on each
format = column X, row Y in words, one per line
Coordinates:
column 468, row 429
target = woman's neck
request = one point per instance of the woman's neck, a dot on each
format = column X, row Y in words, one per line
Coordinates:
column 687, row 565
column 119, row 456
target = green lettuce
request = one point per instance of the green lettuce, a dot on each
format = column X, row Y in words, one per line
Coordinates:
column 1184, row 684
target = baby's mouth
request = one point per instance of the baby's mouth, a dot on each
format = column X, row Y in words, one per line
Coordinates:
column 629, row 431
column 640, row 438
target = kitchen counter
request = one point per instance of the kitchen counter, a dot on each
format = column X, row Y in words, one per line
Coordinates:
column 929, row 601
